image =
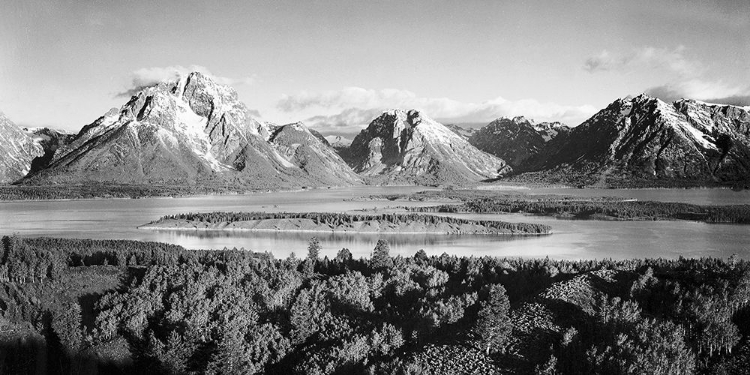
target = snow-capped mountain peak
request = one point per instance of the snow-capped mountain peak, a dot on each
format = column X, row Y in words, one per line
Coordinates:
column 646, row 138
column 186, row 130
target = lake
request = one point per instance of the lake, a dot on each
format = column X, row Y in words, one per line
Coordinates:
column 572, row 239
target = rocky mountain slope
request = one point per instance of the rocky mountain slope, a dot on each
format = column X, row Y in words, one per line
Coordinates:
column 50, row 140
column 189, row 131
column 17, row 151
column 307, row 150
column 646, row 141
column 516, row 140
column 407, row 147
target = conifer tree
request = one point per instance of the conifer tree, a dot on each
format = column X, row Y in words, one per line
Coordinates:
column 380, row 257
column 313, row 249
column 493, row 324
column 344, row 256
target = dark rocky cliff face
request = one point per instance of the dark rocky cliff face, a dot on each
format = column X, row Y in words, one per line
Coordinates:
column 406, row 146
column 646, row 139
column 50, row 140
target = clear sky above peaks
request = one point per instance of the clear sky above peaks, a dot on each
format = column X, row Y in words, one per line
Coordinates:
column 336, row 64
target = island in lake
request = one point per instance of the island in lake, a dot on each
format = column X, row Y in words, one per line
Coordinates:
column 342, row 223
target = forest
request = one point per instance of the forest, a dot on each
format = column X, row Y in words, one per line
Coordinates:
column 339, row 219
column 103, row 190
column 75, row 306
column 596, row 208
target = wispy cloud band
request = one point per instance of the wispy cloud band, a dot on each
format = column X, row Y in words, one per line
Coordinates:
column 684, row 77
column 354, row 107
column 146, row 77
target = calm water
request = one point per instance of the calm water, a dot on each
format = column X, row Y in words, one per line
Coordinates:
column 118, row 219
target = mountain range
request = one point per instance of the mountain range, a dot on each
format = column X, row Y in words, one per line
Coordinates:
column 193, row 131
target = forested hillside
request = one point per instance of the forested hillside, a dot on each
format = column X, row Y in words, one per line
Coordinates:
column 104, row 306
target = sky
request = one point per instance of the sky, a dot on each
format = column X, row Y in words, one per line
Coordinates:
column 337, row 64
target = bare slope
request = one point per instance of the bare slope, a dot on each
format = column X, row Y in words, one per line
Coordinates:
column 308, row 151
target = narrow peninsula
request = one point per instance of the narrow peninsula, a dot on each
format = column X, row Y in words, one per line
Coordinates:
column 395, row 223
column 568, row 207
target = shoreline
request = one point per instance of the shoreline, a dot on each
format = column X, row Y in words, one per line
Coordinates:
column 115, row 189
column 235, row 229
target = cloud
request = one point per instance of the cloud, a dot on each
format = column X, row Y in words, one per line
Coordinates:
column 665, row 93
column 531, row 108
column 347, row 97
column 347, row 122
column 147, row 77
column 706, row 90
column 671, row 60
column 254, row 113
column 352, row 108
column 738, row 100
column 601, row 62
column 683, row 77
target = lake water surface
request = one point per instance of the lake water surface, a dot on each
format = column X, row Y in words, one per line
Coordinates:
column 572, row 239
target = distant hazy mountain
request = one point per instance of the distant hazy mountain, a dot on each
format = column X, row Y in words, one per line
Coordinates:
column 516, row 140
column 464, row 132
column 189, row 131
column 17, row 151
column 401, row 146
column 338, row 142
column 645, row 139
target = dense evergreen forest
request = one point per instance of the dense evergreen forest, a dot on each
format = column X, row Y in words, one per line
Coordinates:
column 338, row 219
column 600, row 208
column 70, row 306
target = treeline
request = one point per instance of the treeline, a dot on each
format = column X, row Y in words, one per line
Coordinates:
column 339, row 219
column 569, row 178
column 588, row 209
column 224, row 312
column 101, row 190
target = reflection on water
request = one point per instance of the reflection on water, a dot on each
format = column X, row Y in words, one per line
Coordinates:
column 281, row 244
column 118, row 219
